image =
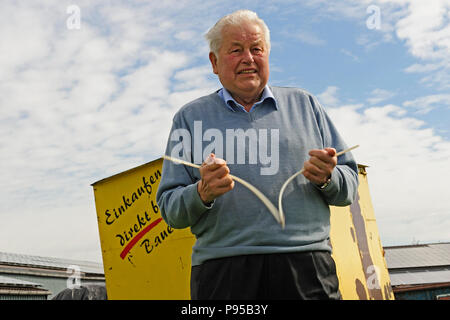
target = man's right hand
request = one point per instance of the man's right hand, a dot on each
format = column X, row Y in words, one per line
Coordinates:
column 215, row 179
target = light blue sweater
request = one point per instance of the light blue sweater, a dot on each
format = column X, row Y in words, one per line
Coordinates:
column 264, row 147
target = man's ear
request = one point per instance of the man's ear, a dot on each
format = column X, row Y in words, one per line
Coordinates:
column 213, row 59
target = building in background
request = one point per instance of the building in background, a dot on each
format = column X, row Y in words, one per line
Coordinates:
column 419, row 272
column 15, row 289
column 41, row 278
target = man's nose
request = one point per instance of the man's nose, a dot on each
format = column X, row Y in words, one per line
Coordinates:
column 247, row 57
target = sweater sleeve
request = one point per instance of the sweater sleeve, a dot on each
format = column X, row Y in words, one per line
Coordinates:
column 344, row 179
column 177, row 195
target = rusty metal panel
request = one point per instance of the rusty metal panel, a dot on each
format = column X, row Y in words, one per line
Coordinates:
column 357, row 249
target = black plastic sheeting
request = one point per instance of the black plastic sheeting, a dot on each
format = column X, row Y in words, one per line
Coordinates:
column 83, row 292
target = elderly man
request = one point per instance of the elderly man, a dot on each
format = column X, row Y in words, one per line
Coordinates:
column 262, row 134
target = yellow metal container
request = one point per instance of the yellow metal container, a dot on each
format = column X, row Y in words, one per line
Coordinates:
column 357, row 249
column 144, row 258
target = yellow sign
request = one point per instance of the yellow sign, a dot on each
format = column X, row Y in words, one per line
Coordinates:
column 144, row 258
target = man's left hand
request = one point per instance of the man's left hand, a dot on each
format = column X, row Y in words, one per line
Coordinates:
column 319, row 167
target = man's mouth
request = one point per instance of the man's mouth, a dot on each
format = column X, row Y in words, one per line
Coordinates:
column 247, row 71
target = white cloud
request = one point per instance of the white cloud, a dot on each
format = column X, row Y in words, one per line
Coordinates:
column 185, row 35
column 196, row 77
column 427, row 103
column 408, row 166
column 337, row 10
column 80, row 105
column 378, row 95
column 329, row 97
column 426, row 30
column 350, row 54
column 418, row 68
column 308, row 38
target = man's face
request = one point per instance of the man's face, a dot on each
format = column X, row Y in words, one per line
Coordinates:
column 243, row 61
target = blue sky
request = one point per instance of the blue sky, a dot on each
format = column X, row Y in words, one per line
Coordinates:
column 81, row 104
column 334, row 53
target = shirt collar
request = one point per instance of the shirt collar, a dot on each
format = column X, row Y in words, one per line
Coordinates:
column 232, row 104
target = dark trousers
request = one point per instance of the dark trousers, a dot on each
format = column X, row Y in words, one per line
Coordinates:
column 299, row 275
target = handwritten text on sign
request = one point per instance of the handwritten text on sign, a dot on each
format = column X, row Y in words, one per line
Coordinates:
column 144, row 221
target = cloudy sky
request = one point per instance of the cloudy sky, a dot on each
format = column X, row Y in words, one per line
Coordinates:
column 83, row 99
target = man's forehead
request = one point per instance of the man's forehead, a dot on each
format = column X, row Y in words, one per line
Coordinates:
column 246, row 32
column 252, row 42
column 243, row 30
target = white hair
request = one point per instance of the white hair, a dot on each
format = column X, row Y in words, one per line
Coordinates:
column 214, row 35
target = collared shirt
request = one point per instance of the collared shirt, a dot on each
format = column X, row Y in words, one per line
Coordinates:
column 234, row 106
